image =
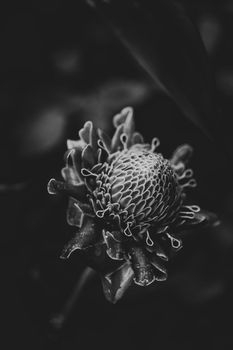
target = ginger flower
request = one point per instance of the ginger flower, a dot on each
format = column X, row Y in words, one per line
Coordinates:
column 127, row 203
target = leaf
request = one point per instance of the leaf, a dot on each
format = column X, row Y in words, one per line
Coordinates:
column 163, row 40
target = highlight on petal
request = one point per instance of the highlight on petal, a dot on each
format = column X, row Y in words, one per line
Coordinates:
column 86, row 237
column 182, row 154
column 116, row 140
column 137, row 138
column 160, row 270
column 116, row 283
column 88, row 157
column 70, row 175
column 114, row 248
column 105, row 139
column 75, row 214
column 77, row 144
column 84, row 133
column 73, row 159
column 121, row 117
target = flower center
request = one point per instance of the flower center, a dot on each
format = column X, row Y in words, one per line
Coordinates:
column 138, row 187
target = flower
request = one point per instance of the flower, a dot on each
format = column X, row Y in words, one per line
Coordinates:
column 128, row 204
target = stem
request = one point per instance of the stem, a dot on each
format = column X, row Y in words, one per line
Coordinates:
column 58, row 320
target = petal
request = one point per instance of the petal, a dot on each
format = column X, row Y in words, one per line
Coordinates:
column 74, row 214
column 88, row 135
column 78, row 191
column 182, row 154
column 114, row 248
column 84, row 133
column 120, row 118
column 116, row 143
column 144, row 274
column 102, row 155
column 75, row 144
column 86, row 237
column 158, row 250
column 116, row 283
column 137, row 138
column 116, row 192
column 160, row 270
column 129, row 125
column 105, row 139
column 70, row 175
column 73, row 161
column 93, row 138
column 88, row 157
column 125, row 201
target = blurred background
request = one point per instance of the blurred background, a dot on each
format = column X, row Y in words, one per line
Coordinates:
column 62, row 64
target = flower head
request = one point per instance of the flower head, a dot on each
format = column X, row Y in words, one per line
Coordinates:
column 127, row 202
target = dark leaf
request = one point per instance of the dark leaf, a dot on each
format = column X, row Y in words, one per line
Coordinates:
column 162, row 39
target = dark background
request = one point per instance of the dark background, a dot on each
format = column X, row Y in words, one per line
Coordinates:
column 61, row 65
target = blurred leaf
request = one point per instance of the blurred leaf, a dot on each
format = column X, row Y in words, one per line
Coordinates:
column 163, row 40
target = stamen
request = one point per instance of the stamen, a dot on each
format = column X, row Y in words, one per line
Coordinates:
column 190, row 183
column 187, row 174
column 149, row 240
column 85, row 172
column 127, row 230
column 187, row 215
column 176, row 243
column 194, row 208
column 101, row 213
column 124, row 140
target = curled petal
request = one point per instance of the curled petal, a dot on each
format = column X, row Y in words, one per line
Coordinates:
column 70, row 175
column 182, row 154
column 84, row 133
column 73, row 159
column 121, row 117
column 158, row 250
column 79, row 191
column 137, row 138
column 114, row 248
column 105, row 139
column 102, row 155
column 88, row 135
column 129, row 126
column 74, row 214
column 54, row 186
column 116, row 283
column 116, row 143
column 88, row 157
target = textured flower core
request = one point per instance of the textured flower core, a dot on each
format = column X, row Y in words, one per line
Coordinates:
column 138, row 188
column 128, row 203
